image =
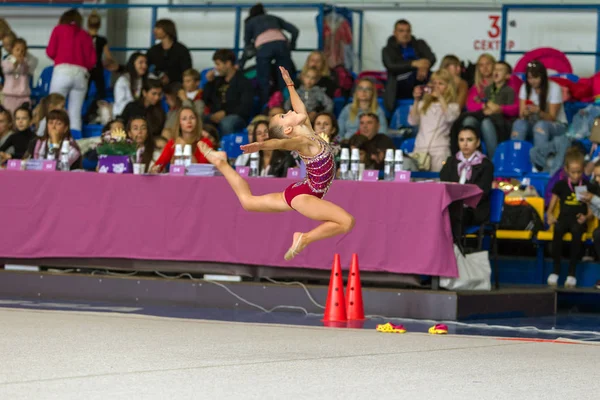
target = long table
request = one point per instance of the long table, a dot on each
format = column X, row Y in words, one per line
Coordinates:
column 400, row 227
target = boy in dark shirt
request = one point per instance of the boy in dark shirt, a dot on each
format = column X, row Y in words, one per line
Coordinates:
column 21, row 138
column 572, row 218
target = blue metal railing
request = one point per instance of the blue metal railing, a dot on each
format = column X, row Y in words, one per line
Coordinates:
column 237, row 8
column 556, row 7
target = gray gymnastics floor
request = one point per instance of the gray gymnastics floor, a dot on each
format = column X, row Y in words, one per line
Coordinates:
column 85, row 355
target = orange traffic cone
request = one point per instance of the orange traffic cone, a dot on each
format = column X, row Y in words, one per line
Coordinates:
column 335, row 309
column 354, row 300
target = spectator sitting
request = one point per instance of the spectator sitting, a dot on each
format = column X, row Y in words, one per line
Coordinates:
column 20, row 139
column 572, row 218
column 104, row 58
column 137, row 129
column 407, row 61
column 6, row 129
column 500, row 108
column 148, row 106
column 263, row 32
column 229, row 96
column 73, row 52
column 54, row 101
column 469, row 165
column 483, row 77
column 192, row 91
column 16, row 70
column 189, row 129
column 172, row 96
column 325, row 123
column 360, row 142
column 316, row 59
column 434, row 112
column 592, row 199
column 271, row 162
column 169, row 58
column 541, row 114
column 314, row 97
column 129, row 85
column 243, row 159
column 377, row 143
column 451, row 63
column 7, row 43
column 364, row 101
column 57, row 131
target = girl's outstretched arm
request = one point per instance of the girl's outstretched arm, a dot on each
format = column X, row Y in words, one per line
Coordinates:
column 297, row 104
column 299, row 144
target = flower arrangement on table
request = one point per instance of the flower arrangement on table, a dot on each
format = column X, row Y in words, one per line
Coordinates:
column 116, row 143
column 115, row 152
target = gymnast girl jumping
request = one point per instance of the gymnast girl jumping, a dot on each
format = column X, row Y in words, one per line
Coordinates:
column 292, row 131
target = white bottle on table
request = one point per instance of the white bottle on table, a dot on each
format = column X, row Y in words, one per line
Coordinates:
column 254, row 164
column 63, row 164
column 178, row 160
column 187, row 155
column 388, row 165
column 398, row 161
column 345, row 164
column 354, row 164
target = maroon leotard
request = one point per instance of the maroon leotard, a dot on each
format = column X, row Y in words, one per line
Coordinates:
column 320, row 171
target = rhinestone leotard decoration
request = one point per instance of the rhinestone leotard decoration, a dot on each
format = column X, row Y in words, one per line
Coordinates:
column 320, row 169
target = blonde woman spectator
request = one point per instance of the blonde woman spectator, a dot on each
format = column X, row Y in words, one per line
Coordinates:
column 483, row 78
column 435, row 112
column 317, row 60
column 451, row 63
column 364, row 101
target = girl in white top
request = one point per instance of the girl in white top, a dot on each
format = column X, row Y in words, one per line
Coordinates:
column 541, row 112
column 435, row 112
column 129, row 85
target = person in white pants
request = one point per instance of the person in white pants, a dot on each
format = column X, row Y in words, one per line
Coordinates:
column 72, row 82
column 74, row 55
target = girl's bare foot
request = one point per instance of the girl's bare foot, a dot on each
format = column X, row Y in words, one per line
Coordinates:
column 213, row 156
column 298, row 245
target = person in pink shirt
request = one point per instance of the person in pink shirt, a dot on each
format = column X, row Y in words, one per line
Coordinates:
column 74, row 55
column 16, row 68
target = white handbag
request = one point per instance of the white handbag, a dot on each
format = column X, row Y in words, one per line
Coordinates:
column 474, row 272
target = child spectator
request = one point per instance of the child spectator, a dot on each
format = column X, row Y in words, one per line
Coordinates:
column 451, row 63
column 469, row 165
column 16, row 77
column 72, row 50
column 103, row 58
column 129, row 85
column 22, row 136
column 572, row 218
column 57, row 131
column 192, row 91
column 7, row 43
column 434, row 113
column 313, row 96
column 54, row 101
column 364, row 101
column 148, row 106
column 229, row 95
column 316, row 59
column 500, row 107
column 6, row 129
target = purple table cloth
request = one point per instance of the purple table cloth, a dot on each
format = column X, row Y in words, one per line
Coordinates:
column 400, row 227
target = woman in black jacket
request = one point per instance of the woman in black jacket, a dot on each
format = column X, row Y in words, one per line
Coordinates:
column 469, row 165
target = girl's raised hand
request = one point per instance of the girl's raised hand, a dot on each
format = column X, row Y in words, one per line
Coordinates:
column 286, row 76
column 250, row 148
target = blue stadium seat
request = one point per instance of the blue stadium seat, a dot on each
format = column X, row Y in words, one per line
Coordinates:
column 338, row 104
column 203, row 79
column 572, row 77
column 92, row 130
column 231, row 144
column 408, row 145
column 511, row 159
column 76, row 134
column 483, row 148
column 539, row 180
column 42, row 89
column 572, row 107
column 400, row 116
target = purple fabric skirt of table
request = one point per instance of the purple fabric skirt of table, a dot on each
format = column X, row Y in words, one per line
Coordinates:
column 400, row 227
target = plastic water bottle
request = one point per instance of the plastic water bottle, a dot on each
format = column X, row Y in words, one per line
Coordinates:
column 398, row 161
column 345, row 164
column 63, row 164
column 354, row 164
column 187, row 155
column 178, row 160
column 52, row 150
column 253, row 164
column 388, row 165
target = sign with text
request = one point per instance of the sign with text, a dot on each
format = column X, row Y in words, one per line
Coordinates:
column 492, row 41
column 402, row 176
column 178, row 170
column 370, row 175
column 243, row 171
column 13, row 165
